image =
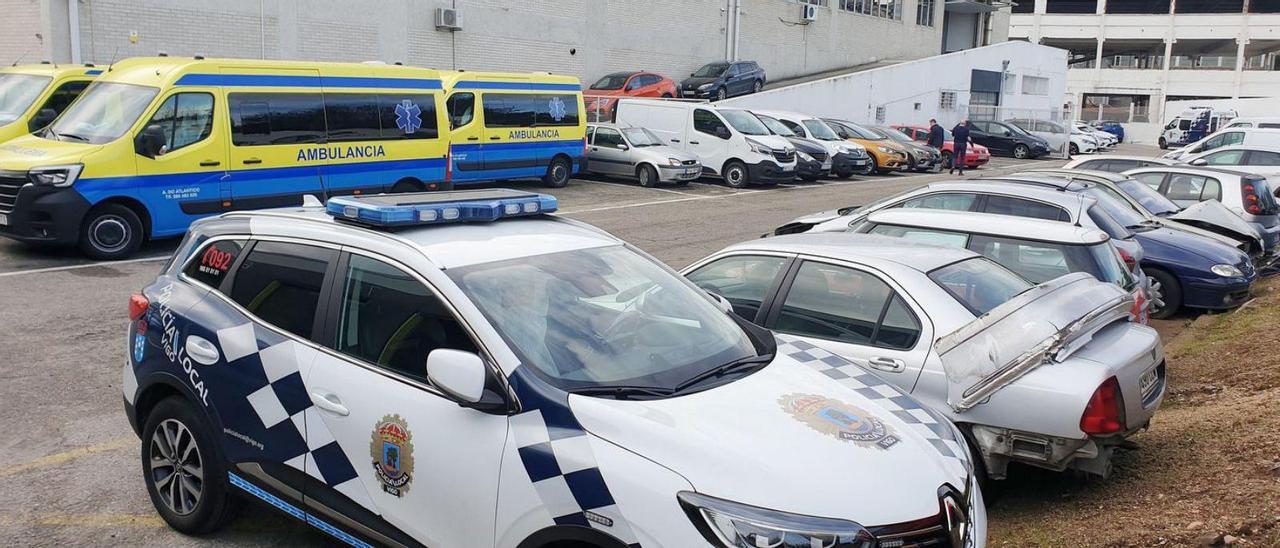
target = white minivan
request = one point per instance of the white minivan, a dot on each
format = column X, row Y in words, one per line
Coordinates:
column 730, row 142
column 1194, row 124
column 1227, row 137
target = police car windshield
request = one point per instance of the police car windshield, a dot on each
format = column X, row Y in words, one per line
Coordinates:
column 103, row 113
column 17, row 92
column 744, row 122
column 604, row 317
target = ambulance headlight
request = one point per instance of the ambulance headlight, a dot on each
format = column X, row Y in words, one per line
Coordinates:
column 734, row 525
column 59, row 176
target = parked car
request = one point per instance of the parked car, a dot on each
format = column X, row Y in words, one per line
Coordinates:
column 1110, row 126
column 1261, row 160
column 640, row 154
column 920, row 157
column 1105, row 139
column 1245, row 194
column 1036, row 249
column 812, row 160
column 886, row 154
column 723, row 79
column 974, row 155
column 1007, row 139
column 1057, row 367
column 1186, row 269
column 1059, row 137
column 1243, row 136
column 730, row 143
column 846, row 158
column 1265, row 122
column 601, row 98
column 1117, row 164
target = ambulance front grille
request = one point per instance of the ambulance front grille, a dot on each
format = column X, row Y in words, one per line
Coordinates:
column 9, row 187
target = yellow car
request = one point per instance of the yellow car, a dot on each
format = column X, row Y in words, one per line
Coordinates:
column 886, row 155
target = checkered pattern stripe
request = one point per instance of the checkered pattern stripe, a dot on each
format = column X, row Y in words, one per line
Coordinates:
column 283, row 406
column 917, row 417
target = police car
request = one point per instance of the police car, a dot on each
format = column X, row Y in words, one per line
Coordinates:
column 461, row 369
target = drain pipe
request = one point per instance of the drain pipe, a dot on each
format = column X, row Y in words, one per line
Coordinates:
column 73, row 28
column 737, row 28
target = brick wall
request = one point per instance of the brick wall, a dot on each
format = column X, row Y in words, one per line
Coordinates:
column 20, row 22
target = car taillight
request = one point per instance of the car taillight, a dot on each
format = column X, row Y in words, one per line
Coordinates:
column 1250, row 196
column 1138, row 313
column 1128, row 259
column 138, row 305
column 1105, row 412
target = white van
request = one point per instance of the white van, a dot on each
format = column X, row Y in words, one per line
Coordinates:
column 1228, row 137
column 1194, row 124
column 846, row 157
column 1260, row 122
column 730, row 142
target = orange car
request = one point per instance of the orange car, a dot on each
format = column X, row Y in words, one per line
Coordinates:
column 886, row 155
column 601, row 97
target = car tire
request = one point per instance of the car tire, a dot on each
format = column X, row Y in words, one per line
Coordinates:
column 1021, row 152
column 558, row 173
column 111, row 232
column 407, row 185
column 647, row 176
column 736, row 175
column 1073, row 149
column 666, row 95
column 1165, row 291
column 870, row 167
column 756, row 87
column 810, row 178
column 946, row 161
column 721, row 94
column 201, row 500
column 844, row 173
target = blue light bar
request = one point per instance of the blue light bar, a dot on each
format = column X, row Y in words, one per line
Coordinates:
column 433, row 208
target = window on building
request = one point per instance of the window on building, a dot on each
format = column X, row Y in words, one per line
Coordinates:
column 1071, row 6
column 1138, row 6
column 946, row 100
column 924, row 12
column 814, row 2
column 1035, row 85
column 879, row 115
column 887, row 9
column 1024, row 6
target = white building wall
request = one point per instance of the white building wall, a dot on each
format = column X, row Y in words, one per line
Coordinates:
column 898, row 88
column 20, row 22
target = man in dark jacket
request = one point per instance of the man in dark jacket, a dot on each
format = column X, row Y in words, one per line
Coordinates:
column 960, row 135
column 937, row 135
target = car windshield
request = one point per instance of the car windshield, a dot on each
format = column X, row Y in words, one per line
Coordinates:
column 711, row 71
column 1107, row 224
column 1016, row 129
column 612, row 81
column 778, row 128
column 1121, row 212
column 744, row 122
column 17, row 92
column 979, row 283
column 863, row 133
column 1155, row 202
column 604, row 317
column 103, row 113
column 820, row 130
column 893, row 134
column 641, row 137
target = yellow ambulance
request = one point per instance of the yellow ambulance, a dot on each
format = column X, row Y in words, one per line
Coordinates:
column 31, row 96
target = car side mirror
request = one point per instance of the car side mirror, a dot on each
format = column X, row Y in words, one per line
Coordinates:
column 723, row 133
column 150, row 142
column 42, row 118
column 722, row 303
column 622, row 146
column 1199, row 162
column 459, row 374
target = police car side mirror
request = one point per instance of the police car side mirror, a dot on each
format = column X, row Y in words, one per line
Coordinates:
column 459, row 374
column 150, row 142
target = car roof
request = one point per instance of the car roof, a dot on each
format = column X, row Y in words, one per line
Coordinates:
column 1079, row 161
column 624, row 73
column 446, row 246
column 1023, row 228
column 51, row 69
column 1054, row 196
column 869, row 249
column 1079, row 173
column 785, row 114
column 1239, row 147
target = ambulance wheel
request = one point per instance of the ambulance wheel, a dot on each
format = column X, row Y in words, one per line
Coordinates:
column 110, row 232
column 1164, row 145
column 647, row 175
column 557, row 173
column 184, row 470
column 736, row 174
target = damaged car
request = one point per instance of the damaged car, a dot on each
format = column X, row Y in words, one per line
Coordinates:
column 1052, row 375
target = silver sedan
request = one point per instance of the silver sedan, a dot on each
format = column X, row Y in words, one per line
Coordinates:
column 1052, row 375
column 638, row 153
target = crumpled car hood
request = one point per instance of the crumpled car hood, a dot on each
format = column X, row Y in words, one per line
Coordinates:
column 1216, row 215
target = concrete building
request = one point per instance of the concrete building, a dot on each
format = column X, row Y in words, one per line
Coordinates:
column 1129, row 57
column 587, row 38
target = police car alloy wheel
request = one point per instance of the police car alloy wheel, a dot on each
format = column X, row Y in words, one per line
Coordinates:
column 557, row 173
column 111, row 231
column 183, row 470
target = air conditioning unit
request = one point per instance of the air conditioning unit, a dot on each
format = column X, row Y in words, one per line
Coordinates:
column 448, row 19
column 808, row 13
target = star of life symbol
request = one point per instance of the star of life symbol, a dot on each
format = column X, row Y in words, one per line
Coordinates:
column 556, row 106
column 408, row 117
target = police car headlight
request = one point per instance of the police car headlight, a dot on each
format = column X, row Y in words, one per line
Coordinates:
column 59, row 176
column 673, row 161
column 1227, row 271
column 734, row 525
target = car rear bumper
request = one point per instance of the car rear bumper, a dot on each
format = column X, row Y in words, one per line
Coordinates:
column 45, row 215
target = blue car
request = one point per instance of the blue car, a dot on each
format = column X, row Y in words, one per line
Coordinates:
column 1111, row 127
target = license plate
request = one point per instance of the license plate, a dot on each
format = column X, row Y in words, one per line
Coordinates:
column 4, row 220
column 788, row 169
column 691, row 172
column 1147, row 382
column 826, row 164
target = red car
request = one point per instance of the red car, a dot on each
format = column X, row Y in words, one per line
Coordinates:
column 600, row 98
column 974, row 156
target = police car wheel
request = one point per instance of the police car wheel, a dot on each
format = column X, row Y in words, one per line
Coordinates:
column 183, row 470
column 111, row 231
column 647, row 176
column 557, row 173
column 736, row 175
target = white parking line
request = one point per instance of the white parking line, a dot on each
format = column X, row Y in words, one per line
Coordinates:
column 636, row 186
column 79, row 266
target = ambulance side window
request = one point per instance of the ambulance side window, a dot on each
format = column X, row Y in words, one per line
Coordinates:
column 408, row 116
column 462, row 109
column 276, row 118
column 212, row 264
column 280, row 283
column 185, row 119
column 391, row 320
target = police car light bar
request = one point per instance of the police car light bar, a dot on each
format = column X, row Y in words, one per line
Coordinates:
column 430, row 208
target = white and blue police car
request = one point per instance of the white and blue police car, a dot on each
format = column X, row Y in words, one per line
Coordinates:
column 461, row 369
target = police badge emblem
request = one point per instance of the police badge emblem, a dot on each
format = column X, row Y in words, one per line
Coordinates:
column 839, row 420
column 392, row 452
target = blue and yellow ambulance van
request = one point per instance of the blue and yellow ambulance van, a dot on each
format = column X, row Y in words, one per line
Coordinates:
column 515, row 126
column 156, row 143
column 31, row 96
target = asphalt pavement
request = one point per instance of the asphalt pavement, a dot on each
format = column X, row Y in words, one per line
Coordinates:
column 69, row 465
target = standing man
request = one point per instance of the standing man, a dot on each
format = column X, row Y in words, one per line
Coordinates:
column 960, row 135
column 937, row 137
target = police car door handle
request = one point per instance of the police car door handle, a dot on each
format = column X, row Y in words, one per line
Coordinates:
column 253, row 161
column 329, row 402
column 892, row 365
column 201, row 350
